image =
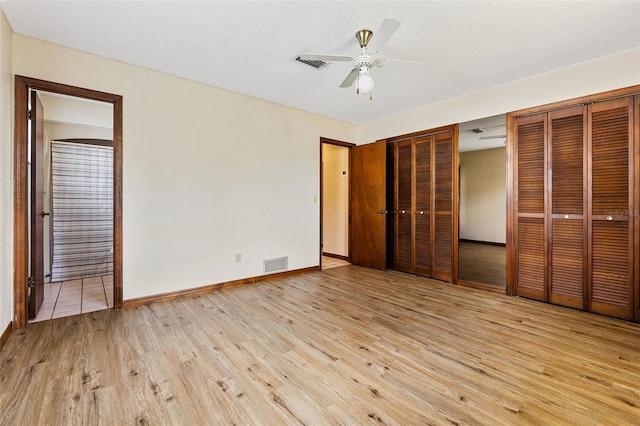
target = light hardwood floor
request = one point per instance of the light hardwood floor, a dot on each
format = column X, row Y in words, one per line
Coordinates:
column 482, row 263
column 344, row 346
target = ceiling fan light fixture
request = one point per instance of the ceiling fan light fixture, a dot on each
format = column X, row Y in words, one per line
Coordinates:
column 365, row 83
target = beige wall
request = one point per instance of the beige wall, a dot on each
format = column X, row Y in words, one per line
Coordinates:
column 483, row 195
column 58, row 109
column 335, row 199
column 587, row 78
column 72, row 131
column 207, row 173
column 6, row 174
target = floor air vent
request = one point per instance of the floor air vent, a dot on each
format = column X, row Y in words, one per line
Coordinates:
column 316, row 64
column 276, row 265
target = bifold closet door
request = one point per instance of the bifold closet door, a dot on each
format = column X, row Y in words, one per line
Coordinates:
column 422, row 203
column 567, row 197
column 530, row 183
column 404, row 206
column 424, row 215
column 611, row 286
column 443, row 238
column 412, row 208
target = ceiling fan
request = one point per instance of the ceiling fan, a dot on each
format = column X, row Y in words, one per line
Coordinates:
column 370, row 46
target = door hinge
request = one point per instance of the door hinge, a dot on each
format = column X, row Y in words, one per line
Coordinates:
column 31, row 283
column 29, row 115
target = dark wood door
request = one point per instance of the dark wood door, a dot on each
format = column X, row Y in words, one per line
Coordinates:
column 530, row 183
column 423, row 235
column 425, row 204
column 36, row 285
column 368, row 205
column 443, row 206
column 403, row 208
column 567, row 197
column 610, row 233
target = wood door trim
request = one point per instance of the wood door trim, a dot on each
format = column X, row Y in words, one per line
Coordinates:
column 429, row 132
column 5, row 334
column 20, row 224
column 636, row 208
column 598, row 97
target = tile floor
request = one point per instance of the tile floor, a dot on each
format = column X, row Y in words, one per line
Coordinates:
column 332, row 262
column 66, row 298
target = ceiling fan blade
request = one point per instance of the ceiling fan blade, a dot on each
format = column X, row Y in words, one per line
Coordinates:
column 402, row 61
column 351, row 77
column 324, row 57
column 484, row 138
column 383, row 34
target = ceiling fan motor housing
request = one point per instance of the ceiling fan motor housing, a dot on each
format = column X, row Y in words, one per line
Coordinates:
column 363, row 61
column 363, row 37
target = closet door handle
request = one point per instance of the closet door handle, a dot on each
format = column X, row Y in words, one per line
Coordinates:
column 382, row 212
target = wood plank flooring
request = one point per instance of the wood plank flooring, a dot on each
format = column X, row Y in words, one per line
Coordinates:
column 347, row 345
column 482, row 263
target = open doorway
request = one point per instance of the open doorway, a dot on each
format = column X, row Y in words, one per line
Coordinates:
column 29, row 286
column 77, row 212
column 334, row 212
column 483, row 191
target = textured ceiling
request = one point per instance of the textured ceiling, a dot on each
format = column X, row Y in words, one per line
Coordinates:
column 248, row 47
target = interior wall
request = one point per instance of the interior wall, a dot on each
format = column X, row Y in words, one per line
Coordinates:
column 64, row 109
column 335, row 199
column 483, row 195
column 6, row 174
column 75, row 131
column 599, row 75
column 207, row 173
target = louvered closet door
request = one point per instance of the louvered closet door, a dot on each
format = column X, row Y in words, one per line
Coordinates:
column 610, row 226
column 422, row 212
column 530, row 207
column 443, row 207
column 403, row 231
column 568, row 154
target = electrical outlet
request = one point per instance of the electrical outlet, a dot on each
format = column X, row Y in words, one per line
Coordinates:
column 238, row 257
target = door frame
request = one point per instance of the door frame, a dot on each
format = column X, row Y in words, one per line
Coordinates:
column 21, row 190
column 347, row 145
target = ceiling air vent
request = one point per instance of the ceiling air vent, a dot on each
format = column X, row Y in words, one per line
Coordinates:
column 477, row 130
column 316, row 64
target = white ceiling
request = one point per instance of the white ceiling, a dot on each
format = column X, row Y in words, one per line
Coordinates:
column 493, row 129
column 248, row 47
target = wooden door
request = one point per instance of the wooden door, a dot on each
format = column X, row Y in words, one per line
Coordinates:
column 443, row 206
column 368, row 205
column 403, row 206
column 636, row 209
column 567, row 196
column 610, row 227
column 423, row 235
column 36, row 281
column 529, row 198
